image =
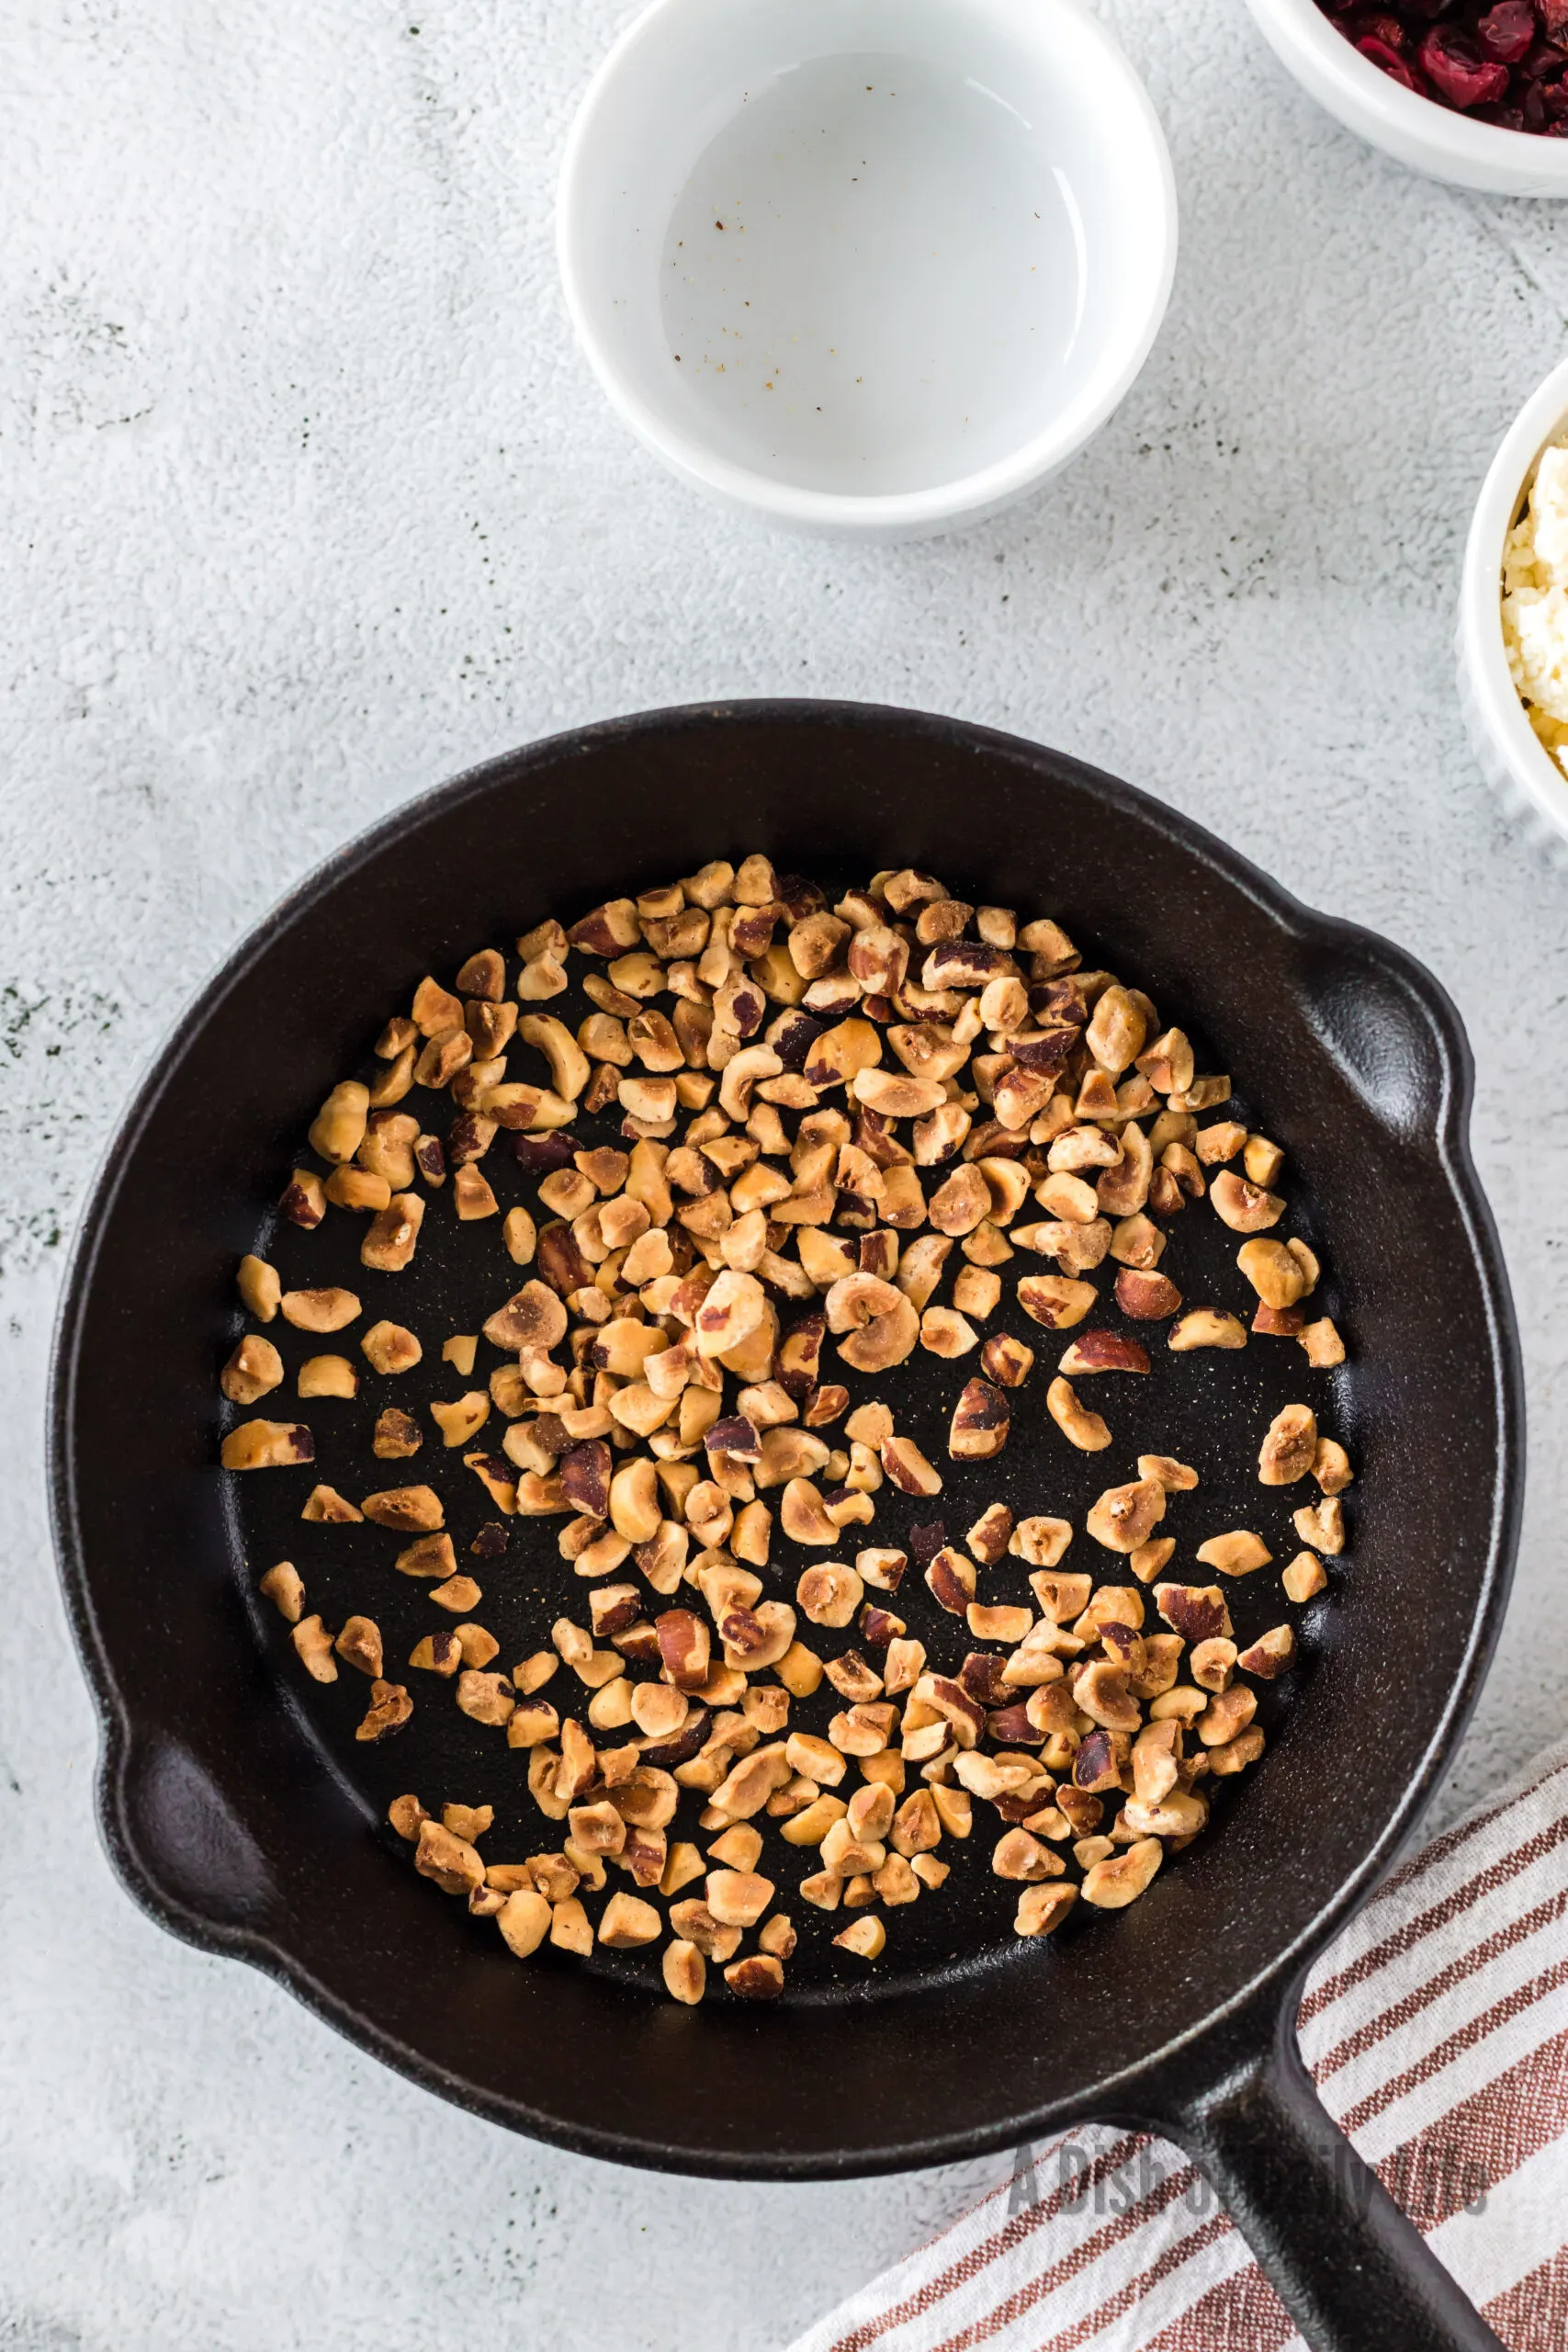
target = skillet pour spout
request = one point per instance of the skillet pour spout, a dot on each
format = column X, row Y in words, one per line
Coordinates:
column 242, row 1821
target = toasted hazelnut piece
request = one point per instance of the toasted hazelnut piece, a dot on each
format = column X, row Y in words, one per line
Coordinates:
column 1322, row 1526
column 989, row 1537
column 1236, row 1754
column 1146, row 1297
column 455, row 1865
column 313, row 1647
column 525, row 1920
column 1005, row 1361
column 1176, row 1477
column 945, row 1332
column 829, row 1593
column 409, row 1508
column 907, row 1468
column 1081, row 1427
column 1126, row 1516
column 1235, row 1554
column 951, row 1578
column 1262, row 1160
column 387, row 1348
column 284, row 1588
column 477, row 1646
column 266, row 1445
column 1054, row 1301
column 407, row 1816
column 1220, row 1141
column 1207, row 1327
column 1331, row 1466
column 1068, row 1199
column 778, row 1938
column 1212, row 1663
column 1273, row 1654
column 338, row 1129
column 391, row 1708
column 1305, row 1575
column 487, row 1697
column 866, row 1937
column 357, row 1187
column 1227, row 1713
column 981, row 1419
column 1041, row 1909
column 758, row 1978
column 684, row 1971
column 439, row 1653
column 259, row 1288
column 324, row 1505
column 736, row 1898
column 1244, row 1206
column 739, row 1849
column 1099, row 1351
column 1198, row 1612
column 389, row 1243
column 458, row 1421
column 1017, row 1855
column 1274, row 1271
column 254, row 1368
column 1289, row 1447
column 318, row 1310
column 359, row 1644
column 975, row 1291
column 304, row 1199
column 1111, row 1885
column 1324, row 1346
column 327, row 1376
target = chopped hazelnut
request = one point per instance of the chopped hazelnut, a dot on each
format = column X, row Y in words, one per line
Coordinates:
column 1235, row 1554
column 1305, row 1575
column 259, row 1288
column 266, row 1445
column 1289, row 1447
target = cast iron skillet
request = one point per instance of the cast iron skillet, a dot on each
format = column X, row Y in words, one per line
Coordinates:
column 246, row 1822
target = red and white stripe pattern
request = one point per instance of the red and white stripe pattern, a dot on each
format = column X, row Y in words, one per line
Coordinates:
column 1436, row 2028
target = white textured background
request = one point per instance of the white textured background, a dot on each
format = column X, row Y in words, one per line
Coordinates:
column 307, row 500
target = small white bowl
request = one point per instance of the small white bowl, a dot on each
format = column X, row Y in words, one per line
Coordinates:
column 1512, row 756
column 866, row 267
column 1413, row 130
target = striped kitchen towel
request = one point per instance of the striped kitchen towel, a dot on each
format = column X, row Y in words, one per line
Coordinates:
column 1436, row 2028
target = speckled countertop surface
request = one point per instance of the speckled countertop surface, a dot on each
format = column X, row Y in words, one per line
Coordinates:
column 307, row 500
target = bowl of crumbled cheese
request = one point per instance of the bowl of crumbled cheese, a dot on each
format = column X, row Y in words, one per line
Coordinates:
column 1513, row 621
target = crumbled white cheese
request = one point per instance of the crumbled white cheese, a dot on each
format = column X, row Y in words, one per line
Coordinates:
column 1535, row 604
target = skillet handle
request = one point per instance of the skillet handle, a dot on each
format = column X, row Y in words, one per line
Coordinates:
column 1349, row 2266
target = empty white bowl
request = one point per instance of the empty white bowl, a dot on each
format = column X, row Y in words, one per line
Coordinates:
column 1413, row 130
column 869, row 268
column 1512, row 756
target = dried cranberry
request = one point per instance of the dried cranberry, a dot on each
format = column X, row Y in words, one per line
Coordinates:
column 1553, row 17
column 1393, row 65
column 1507, row 31
column 1532, row 115
column 1459, row 74
column 1556, row 96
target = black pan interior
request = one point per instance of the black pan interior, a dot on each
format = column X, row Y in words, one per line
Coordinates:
column 238, row 1804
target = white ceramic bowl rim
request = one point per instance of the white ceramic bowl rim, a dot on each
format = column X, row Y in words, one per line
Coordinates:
column 1482, row 143
column 992, row 486
column 1543, row 416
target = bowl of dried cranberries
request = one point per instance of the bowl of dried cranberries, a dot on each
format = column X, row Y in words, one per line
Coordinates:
column 1470, row 91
